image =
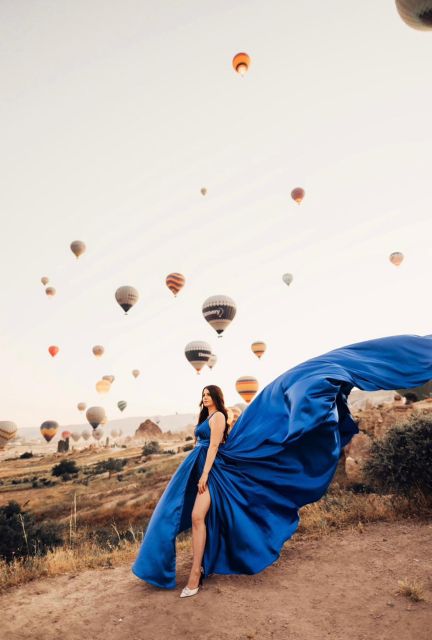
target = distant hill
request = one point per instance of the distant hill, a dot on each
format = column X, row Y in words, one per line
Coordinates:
column 173, row 423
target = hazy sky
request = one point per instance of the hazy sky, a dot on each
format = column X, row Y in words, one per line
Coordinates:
column 115, row 113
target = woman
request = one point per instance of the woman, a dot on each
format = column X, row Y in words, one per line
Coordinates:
column 281, row 454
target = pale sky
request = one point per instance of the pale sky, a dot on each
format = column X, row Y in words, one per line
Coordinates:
column 114, row 113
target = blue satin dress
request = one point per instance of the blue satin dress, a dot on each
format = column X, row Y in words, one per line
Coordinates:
column 281, row 454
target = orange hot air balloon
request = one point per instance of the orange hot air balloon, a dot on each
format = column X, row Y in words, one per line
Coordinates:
column 247, row 387
column 48, row 429
column 298, row 194
column 396, row 258
column 65, row 435
column 175, row 281
column 53, row 350
column 241, row 62
column 258, row 348
column 50, row 291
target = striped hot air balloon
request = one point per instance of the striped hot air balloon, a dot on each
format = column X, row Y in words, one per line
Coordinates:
column 241, row 63
column 198, row 354
column 247, row 387
column 298, row 194
column 219, row 311
column 175, row 281
column 122, row 405
column 49, row 429
column 258, row 348
column 8, row 431
column 416, row 13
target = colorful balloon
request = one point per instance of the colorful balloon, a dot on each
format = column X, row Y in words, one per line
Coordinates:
column 95, row 415
column 126, row 297
column 396, row 258
column 298, row 194
column 241, row 62
column 416, row 13
column 109, row 378
column 219, row 311
column 50, row 291
column 44, row 280
column 8, row 431
column 247, row 387
column 135, row 373
column 103, row 386
column 198, row 354
column 53, row 350
column 81, row 406
column 287, row 278
column 77, row 247
column 98, row 350
column 175, row 281
column 49, row 429
column 65, row 435
column 122, row 405
column 258, row 348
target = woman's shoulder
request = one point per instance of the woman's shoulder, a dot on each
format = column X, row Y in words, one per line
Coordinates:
column 218, row 415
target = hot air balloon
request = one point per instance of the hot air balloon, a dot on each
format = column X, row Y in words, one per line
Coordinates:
column 85, row 433
column 287, row 278
column 135, row 373
column 416, row 13
column 198, row 354
column 114, row 433
column 104, row 420
column 122, row 405
column 175, row 281
column 98, row 433
column 44, row 280
column 98, row 350
column 204, row 191
column 50, row 291
column 103, row 386
column 81, row 406
column 49, row 429
column 258, row 348
column 53, row 350
column 75, row 436
column 95, row 415
column 8, row 431
column 109, row 378
column 126, row 297
column 219, row 311
column 65, row 435
column 77, row 247
column 247, row 386
column 212, row 361
column 396, row 258
column 298, row 194
column 241, row 62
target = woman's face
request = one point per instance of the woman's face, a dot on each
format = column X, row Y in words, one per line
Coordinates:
column 206, row 398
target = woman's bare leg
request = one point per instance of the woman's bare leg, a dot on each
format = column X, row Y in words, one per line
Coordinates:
column 199, row 533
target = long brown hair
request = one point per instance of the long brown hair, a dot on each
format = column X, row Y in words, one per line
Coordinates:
column 216, row 395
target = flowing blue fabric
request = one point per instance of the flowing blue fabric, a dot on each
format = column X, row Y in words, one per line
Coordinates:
column 280, row 455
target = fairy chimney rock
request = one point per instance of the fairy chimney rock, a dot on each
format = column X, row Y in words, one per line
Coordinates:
column 148, row 430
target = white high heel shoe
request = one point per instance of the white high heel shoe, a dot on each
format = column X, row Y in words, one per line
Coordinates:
column 186, row 592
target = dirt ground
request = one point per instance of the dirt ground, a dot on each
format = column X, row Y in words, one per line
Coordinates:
column 340, row 587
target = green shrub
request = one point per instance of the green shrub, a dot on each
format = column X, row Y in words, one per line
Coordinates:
column 25, row 455
column 63, row 467
column 150, row 447
column 188, row 438
column 112, row 464
column 21, row 536
column 169, row 452
column 401, row 462
column 187, row 447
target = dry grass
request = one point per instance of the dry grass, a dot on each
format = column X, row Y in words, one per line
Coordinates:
column 413, row 590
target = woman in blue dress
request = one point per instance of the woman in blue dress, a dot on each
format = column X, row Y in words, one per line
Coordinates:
column 281, row 454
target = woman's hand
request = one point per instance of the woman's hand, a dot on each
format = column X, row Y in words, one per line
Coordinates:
column 202, row 482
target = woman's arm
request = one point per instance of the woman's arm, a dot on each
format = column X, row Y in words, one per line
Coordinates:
column 217, row 428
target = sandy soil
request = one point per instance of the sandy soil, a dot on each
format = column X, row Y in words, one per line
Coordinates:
column 340, row 587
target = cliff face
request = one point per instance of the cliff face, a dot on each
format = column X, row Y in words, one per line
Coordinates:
column 148, row 430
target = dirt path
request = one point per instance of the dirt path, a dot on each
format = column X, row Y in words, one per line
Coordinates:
column 343, row 586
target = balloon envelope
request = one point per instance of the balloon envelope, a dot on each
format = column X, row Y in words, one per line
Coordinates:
column 219, row 311
column 103, row 386
column 126, row 297
column 122, row 405
column 241, row 63
column 8, row 431
column 396, row 258
column 175, row 281
column 49, row 429
column 44, row 280
column 198, row 354
column 81, row 406
column 287, row 278
column 258, row 348
column 247, row 387
column 53, row 350
column 95, row 415
column 77, row 247
column 298, row 194
column 135, row 373
column 416, row 13
column 98, row 350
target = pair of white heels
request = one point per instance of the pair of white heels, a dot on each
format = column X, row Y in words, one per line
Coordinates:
column 186, row 592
